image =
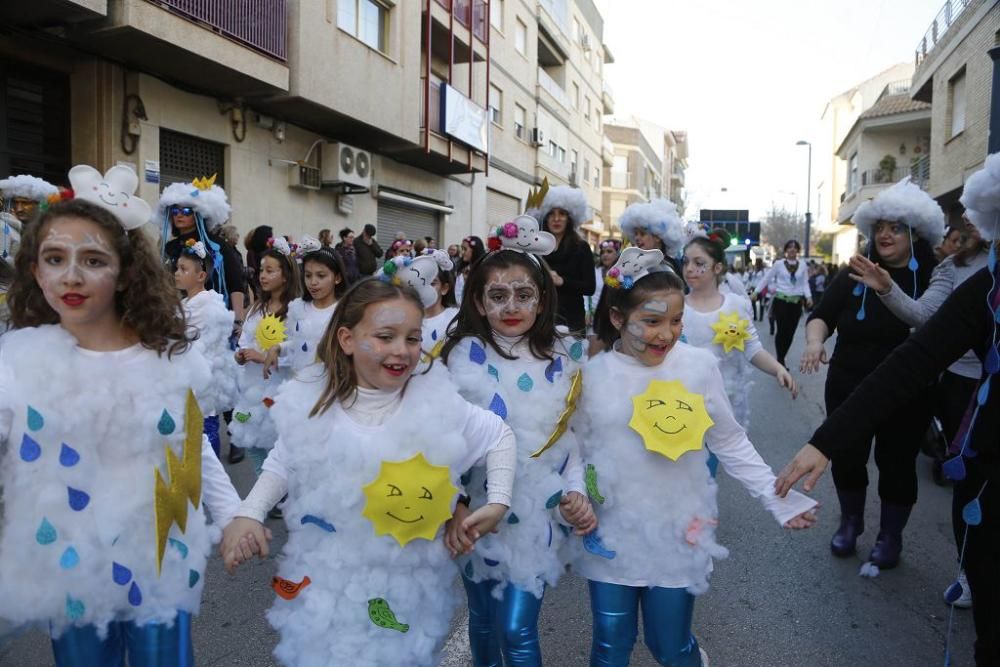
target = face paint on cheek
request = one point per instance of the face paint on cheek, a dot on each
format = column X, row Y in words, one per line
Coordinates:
column 634, row 339
column 372, row 351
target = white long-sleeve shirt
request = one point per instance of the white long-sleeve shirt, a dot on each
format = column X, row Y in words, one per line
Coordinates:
column 785, row 281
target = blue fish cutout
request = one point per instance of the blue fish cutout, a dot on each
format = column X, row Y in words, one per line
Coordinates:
column 972, row 513
column 120, row 574
column 68, row 457
column 166, row 424
column 498, row 407
column 134, row 595
column 78, row 500
column 525, row 383
column 35, row 419
column 593, row 544
column 46, row 533
column 30, row 449
column 69, row 559
column 318, row 522
column 477, row 354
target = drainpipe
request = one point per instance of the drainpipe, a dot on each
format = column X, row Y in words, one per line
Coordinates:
column 994, row 136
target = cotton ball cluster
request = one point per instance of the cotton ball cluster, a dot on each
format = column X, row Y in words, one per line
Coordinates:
column 904, row 202
column 28, row 187
column 659, row 218
column 981, row 198
column 208, row 317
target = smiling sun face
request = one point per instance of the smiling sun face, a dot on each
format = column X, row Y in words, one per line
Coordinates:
column 409, row 499
column 670, row 419
column 270, row 332
column 731, row 332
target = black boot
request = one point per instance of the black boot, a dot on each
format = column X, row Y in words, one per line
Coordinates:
column 852, row 522
column 889, row 544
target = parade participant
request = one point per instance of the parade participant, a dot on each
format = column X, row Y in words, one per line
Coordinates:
column 400, row 248
column 371, row 456
column 210, row 323
column 11, row 242
column 368, row 251
column 439, row 314
column 560, row 211
column 790, row 281
column 472, row 249
column 22, row 195
column 252, row 427
column 197, row 210
column 648, row 408
column 723, row 324
column 901, row 225
column 324, row 283
column 505, row 354
column 755, row 275
column 656, row 225
column 348, row 255
column 105, row 466
column 607, row 256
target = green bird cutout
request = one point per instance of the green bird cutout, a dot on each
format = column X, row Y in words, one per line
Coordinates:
column 590, row 477
column 242, row 417
column 382, row 616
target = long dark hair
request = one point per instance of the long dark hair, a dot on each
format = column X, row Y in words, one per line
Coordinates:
column 571, row 237
column 478, row 252
column 342, row 379
column 714, row 245
column 289, row 292
column 447, row 277
column 627, row 300
column 330, row 260
column 923, row 253
column 542, row 335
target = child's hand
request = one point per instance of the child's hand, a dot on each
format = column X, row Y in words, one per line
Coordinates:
column 802, row 521
column 250, row 354
column 576, row 509
column 484, row 520
column 785, row 380
column 241, row 539
column 455, row 539
column 241, row 356
column 271, row 360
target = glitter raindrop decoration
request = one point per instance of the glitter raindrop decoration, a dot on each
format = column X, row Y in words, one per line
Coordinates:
column 35, row 419
column 68, row 457
column 30, row 449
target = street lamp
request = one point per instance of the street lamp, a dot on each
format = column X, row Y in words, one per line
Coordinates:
column 803, row 142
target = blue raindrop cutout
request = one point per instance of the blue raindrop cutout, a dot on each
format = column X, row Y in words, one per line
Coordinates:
column 512, row 519
column 193, row 578
column 550, row 534
column 46, row 533
column 477, row 354
column 35, row 419
column 318, row 522
column 166, row 424
column 120, row 574
column 492, row 370
column 498, row 407
column 593, row 544
column 75, row 609
column 858, row 289
column 68, row 457
column 296, row 326
column 134, row 595
column 861, row 311
column 913, row 265
column 30, row 450
column 954, row 468
column 434, row 334
column 78, row 499
column 305, row 347
column 180, row 546
column 554, row 500
column 993, row 361
column 984, row 391
column 555, row 366
column 576, row 351
column 491, row 562
column 525, row 383
column 953, row 593
column 69, row 559
column 992, row 260
column 972, row 513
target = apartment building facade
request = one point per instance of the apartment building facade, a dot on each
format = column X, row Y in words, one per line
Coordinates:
column 314, row 115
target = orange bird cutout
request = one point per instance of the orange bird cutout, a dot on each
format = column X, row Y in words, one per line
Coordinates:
column 289, row 590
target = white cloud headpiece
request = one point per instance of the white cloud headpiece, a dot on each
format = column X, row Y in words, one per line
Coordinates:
column 905, row 203
column 633, row 264
column 981, row 198
column 114, row 191
column 27, row 187
column 659, row 218
column 522, row 234
column 309, row 244
column 203, row 195
column 567, row 198
column 416, row 272
column 280, row 243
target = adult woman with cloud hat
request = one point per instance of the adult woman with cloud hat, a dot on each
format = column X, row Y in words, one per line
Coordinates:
column 901, row 225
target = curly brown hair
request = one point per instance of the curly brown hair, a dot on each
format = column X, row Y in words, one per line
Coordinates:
column 146, row 300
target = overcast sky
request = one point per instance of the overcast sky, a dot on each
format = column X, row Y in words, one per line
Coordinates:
column 749, row 78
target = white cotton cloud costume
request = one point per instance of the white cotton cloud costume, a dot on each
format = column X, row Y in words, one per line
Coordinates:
column 27, row 187
column 529, row 394
column 659, row 218
column 85, row 436
column 328, row 622
column 658, row 515
column 306, row 326
column 904, row 202
column 981, row 198
column 252, row 425
column 207, row 314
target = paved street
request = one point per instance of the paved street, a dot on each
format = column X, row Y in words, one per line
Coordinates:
column 780, row 599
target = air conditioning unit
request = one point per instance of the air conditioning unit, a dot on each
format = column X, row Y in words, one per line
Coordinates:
column 537, row 137
column 303, row 176
column 346, row 165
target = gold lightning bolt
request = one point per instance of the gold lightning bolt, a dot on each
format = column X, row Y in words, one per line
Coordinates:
column 572, row 396
column 171, row 502
column 204, row 183
column 537, row 197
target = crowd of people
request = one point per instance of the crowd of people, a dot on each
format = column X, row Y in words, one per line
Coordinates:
column 494, row 413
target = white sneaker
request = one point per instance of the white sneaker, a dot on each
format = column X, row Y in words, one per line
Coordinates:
column 704, row 657
column 965, row 600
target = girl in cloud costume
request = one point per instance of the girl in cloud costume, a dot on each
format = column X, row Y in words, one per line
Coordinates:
column 505, row 355
column 364, row 577
column 648, row 407
column 104, row 473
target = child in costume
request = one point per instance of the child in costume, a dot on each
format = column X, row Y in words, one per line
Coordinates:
column 324, row 282
column 265, row 327
column 505, row 354
column 23, row 195
column 648, row 408
column 104, row 471
column 439, row 314
column 722, row 323
column 211, row 323
column 656, row 225
column 365, row 578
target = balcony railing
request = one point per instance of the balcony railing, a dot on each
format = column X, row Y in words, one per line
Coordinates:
column 259, row 24
column 470, row 13
column 552, row 87
column 901, row 87
column 919, row 172
column 949, row 13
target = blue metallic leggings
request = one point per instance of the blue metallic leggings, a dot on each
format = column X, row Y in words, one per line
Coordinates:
column 509, row 626
column 212, row 431
column 666, row 616
column 150, row 645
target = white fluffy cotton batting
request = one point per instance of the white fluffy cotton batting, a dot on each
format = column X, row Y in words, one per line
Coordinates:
column 904, row 202
column 208, row 316
column 981, row 198
column 212, row 204
column 27, row 187
column 658, row 217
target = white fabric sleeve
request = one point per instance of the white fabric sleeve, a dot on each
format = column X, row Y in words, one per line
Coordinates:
column 218, row 492
column 752, row 344
column 573, row 473
column 248, row 334
column 915, row 313
column 806, row 291
column 766, row 280
column 490, row 439
column 265, row 494
column 729, row 442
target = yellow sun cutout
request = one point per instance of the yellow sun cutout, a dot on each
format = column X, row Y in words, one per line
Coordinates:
column 270, row 332
column 670, row 419
column 409, row 499
column 731, row 332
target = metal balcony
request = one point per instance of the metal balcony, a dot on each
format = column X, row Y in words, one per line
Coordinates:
column 259, row 24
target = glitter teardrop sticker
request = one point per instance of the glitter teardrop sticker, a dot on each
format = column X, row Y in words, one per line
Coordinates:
column 35, row 419
column 30, row 449
column 68, row 457
column 498, row 407
column 46, row 533
column 477, row 354
column 166, row 425
column 120, row 574
column 78, row 500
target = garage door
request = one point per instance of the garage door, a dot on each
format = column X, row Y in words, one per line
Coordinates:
column 415, row 223
column 500, row 208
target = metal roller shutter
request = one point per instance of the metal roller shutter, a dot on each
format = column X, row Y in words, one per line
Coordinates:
column 34, row 122
column 500, row 208
column 416, row 223
column 184, row 158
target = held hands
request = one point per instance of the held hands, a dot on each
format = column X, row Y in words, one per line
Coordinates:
column 455, row 539
column 577, row 510
column 809, row 304
column 271, row 361
column 863, row 270
column 785, row 380
column 466, row 527
column 802, row 521
column 814, row 355
column 241, row 540
column 809, row 463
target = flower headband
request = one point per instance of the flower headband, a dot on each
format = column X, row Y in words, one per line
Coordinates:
column 415, row 272
column 280, row 243
column 610, row 243
column 632, row 265
column 114, row 192
column 521, row 235
column 196, row 248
